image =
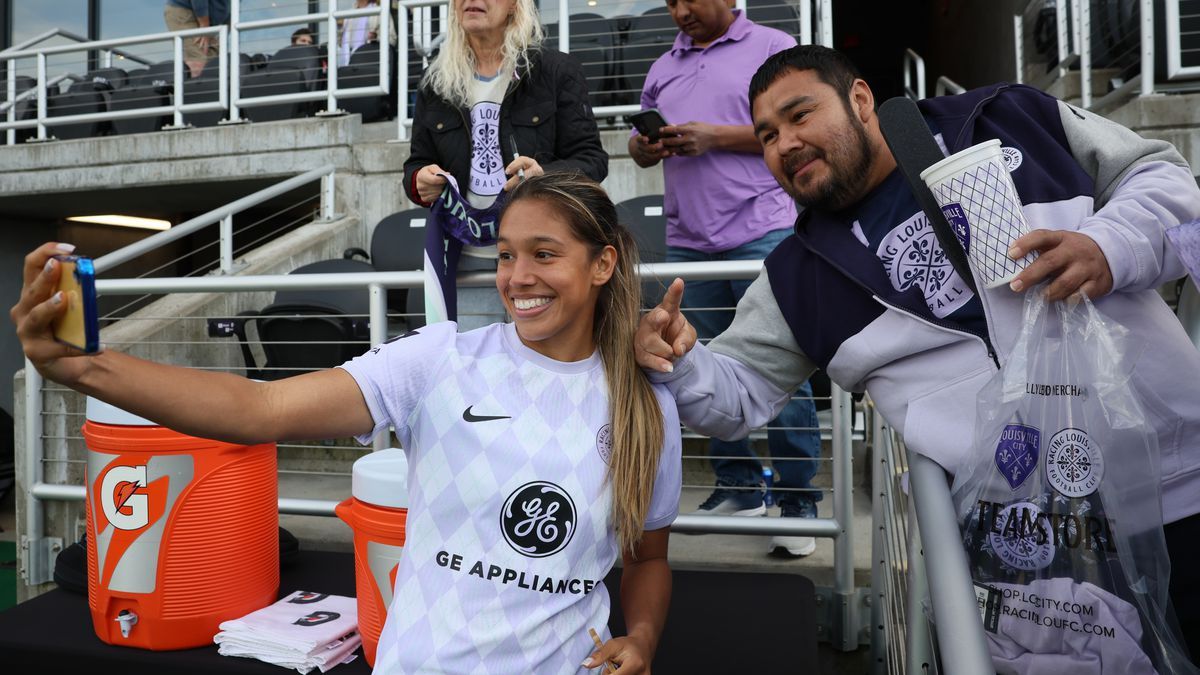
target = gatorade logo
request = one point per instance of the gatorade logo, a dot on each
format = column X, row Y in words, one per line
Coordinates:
column 130, row 499
column 316, row 619
column 123, row 498
column 307, row 598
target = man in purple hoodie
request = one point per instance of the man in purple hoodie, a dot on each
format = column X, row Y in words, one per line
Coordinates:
column 863, row 290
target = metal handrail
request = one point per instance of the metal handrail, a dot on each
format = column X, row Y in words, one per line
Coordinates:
column 177, row 107
column 224, row 216
column 331, row 93
column 58, row 32
column 1074, row 35
column 914, row 65
column 956, row 612
column 945, row 85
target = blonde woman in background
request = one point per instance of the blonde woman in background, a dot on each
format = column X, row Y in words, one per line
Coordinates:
column 494, row 104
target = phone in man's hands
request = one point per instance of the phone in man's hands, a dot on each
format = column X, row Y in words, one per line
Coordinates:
column 649, row 123
column 78, row 326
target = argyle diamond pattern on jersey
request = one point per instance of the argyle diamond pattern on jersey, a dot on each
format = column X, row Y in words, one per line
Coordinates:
column 480, row 589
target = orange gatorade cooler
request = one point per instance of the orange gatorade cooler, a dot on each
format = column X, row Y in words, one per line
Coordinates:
column 182, row 532
column 377, row 513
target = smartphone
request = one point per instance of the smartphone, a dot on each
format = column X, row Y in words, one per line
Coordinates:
column 79, row 325
column 649, row 123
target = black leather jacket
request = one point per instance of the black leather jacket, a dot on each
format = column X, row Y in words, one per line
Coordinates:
column 546, row 111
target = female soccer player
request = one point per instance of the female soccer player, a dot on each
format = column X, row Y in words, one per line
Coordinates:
column 525, row 482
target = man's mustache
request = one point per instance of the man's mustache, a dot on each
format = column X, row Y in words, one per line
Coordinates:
column 798, row 158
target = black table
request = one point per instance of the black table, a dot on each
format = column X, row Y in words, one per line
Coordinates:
column 719, row 622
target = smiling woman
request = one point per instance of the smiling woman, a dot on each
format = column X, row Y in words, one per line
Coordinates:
column 526, row 479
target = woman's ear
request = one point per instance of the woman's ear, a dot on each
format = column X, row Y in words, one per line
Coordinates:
column 604, row 265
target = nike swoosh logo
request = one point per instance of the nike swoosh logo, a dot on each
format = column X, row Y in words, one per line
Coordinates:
column 471, row 417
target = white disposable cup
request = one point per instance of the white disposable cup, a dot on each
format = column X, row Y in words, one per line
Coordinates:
column 980, row 201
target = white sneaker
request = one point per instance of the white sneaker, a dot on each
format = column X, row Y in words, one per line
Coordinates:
column 797, row 547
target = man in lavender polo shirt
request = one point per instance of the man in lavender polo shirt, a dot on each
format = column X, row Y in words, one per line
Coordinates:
column 722, row 203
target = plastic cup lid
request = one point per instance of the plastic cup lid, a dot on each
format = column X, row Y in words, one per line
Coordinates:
column 381, row 478
column 961, row 161
column 104, row 413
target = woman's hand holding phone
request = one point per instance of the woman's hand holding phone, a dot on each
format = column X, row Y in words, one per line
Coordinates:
column 41, row 303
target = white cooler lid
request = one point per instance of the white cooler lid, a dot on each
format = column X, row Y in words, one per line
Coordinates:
column 103, row 413
column 381, row 478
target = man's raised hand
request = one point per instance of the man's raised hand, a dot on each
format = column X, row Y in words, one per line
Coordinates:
column 663, row 333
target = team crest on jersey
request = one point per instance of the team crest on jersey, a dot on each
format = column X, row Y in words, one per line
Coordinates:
column 1012, row 158
column 538, row 519
column 604, row 442
column 1074, row 465
column 912, row 257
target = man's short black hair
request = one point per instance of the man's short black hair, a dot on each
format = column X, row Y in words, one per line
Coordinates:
column 830, row 65
column 303, row 31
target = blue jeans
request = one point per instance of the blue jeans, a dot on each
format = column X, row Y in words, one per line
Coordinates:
column 794, row 452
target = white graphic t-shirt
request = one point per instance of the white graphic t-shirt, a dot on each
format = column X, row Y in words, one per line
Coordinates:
column 509, row 532
column 487, row 150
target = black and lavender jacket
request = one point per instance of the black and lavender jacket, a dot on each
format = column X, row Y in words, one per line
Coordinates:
column 823, row 300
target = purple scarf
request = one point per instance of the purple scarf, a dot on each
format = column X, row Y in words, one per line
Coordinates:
column 455, row 223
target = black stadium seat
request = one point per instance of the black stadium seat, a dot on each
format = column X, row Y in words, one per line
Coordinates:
column 25, row 110
column 203, row 90
column 304, row 58
column 592, row 42
column 650, row 36
column 363, row 71
column 89, row 95
column 645, row 218
column 271, row 82
column 777, row 14
column 398, row 245
column 150, row 88
column 306, row 330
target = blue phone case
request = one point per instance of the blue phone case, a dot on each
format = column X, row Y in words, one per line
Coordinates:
column 79, row 327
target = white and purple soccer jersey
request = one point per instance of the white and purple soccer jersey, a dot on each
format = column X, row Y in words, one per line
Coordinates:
column 509, row 531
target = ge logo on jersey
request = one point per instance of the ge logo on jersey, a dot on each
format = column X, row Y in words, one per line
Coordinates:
column 538, row 519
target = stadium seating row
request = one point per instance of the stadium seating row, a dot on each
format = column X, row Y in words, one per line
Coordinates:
column 305, row 330
column 293, row 69
column 616, row 53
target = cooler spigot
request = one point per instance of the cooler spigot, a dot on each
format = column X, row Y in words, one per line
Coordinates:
column 127, row 620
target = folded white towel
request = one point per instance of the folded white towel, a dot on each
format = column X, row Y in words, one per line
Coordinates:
column 302, row 631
